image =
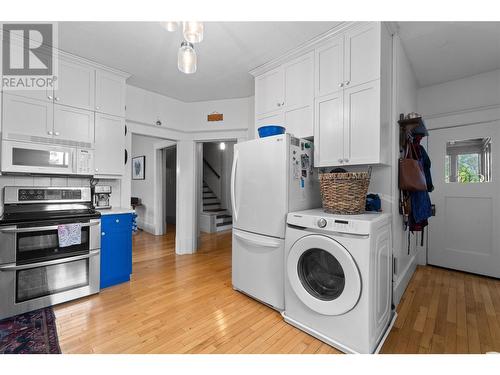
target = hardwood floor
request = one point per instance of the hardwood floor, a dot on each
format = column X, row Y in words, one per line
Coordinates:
column 185, row 304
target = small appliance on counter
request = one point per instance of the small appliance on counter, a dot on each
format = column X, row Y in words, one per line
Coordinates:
column 102, row 196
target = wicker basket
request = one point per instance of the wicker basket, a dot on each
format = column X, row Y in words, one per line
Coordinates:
column 344, row 193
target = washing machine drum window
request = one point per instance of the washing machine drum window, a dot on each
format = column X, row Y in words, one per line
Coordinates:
column 323, row 275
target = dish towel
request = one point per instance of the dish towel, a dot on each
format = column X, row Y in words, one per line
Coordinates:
column 69, row 234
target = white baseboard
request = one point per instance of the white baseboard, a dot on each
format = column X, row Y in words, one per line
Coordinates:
column 402, row 281
column 146, row 227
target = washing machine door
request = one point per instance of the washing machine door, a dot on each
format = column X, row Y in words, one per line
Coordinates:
column 323, row 275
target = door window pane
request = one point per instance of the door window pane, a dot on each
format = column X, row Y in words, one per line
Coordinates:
column 468, row 161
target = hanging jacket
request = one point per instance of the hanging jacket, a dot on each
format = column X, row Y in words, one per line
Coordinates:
column 421, row 207
column 426, row 165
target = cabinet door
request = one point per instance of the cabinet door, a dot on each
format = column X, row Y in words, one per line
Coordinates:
column 76, row 85
column 109, row 145
column 362, row 119
column 329, row 130
column 329, row 60
column 109, row 93
column 24, row 118
column 271, row 119
column 299, row 82
column 299, row 121
column 269, row 91
column 73, row 124
column 362, row 54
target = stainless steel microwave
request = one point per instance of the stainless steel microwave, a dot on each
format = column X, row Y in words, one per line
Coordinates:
column 24, row 157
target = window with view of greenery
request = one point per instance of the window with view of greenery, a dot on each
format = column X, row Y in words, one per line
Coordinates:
column 468, row 161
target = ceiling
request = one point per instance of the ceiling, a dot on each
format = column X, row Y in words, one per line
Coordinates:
column 225, row 56
column 446, row 51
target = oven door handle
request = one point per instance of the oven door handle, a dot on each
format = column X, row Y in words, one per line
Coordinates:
column 40, row 229
column 14, row 267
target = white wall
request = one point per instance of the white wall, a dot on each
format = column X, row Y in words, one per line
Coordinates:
column 470, row 100
column 405, row 101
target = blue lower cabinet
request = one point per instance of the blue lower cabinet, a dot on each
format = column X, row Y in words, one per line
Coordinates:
column 116, row 249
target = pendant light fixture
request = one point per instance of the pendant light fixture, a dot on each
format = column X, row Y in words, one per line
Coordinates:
column 193, row 31
column 186, row 58
column 171, row 25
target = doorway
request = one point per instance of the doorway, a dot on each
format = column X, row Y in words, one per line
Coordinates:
column 464, row 233
column 170, row 186
column 215, row 174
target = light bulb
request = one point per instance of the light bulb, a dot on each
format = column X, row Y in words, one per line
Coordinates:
column 186, row 58
column 171, row 25
column 193, row 31
column 222, row 146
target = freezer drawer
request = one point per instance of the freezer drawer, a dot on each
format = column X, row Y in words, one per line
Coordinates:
column 257, row 267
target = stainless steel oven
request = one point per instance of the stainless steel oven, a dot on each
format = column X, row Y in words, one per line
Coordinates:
column 35, row 271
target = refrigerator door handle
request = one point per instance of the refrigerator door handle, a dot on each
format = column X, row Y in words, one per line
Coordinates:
column 259, row 242
column 233, row 187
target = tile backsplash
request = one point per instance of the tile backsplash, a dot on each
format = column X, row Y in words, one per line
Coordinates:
column 13, row 180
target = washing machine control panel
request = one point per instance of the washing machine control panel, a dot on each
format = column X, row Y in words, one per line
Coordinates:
column 322, row 222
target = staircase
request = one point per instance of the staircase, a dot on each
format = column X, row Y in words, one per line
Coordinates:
column 214, row 217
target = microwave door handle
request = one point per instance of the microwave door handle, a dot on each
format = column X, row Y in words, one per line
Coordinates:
column 39, row 229
column 14, row 267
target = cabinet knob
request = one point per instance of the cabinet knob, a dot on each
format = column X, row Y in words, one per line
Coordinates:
column 49, row 133
column 282, row 103
column 56, row 98
column 341, row 160
column 97, row 169
column 117, row 220
column 347, row 82
column 50, row 97
column 103, row 233
column 341, row 84
column 346, row 160
column 97, row 107
column 56, row 133
column 278, row 104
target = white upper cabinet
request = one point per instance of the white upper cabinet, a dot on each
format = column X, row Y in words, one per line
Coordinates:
column 299, row 82
column 73, row 125
column 109, row 152
column 269, row 92
column 362, row 54
column 109, row 93
column 24, row 118
column 329, row 130
column 362, row 138
column 285, row 96
column 76, row 85
column 329, row 72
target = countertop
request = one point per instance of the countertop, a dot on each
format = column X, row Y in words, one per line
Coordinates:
column 116, row 210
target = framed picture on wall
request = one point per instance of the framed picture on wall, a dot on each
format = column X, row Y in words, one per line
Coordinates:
column 139, row 168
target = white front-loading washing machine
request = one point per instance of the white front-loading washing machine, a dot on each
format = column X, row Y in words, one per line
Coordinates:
column 338, row 283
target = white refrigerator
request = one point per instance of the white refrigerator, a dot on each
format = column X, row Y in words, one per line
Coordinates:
column 270, row 177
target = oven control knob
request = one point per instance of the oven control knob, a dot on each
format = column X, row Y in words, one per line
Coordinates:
column 322, row 223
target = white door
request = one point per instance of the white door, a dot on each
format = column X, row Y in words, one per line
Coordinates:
column 76, row 85
column 362, row 124
column 299, row 121
column 269, row 91
column 259, row 186
column 299, row 82
column 330, row 67
column 362, row 54
column 24, row 118
column 257, row 267
column 269, row 119
column 73, row 124
column 109, row 93
column 329, row 130
column 464, row 234
column 109, row 145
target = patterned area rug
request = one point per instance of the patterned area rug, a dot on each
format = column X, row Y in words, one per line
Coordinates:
column 31, row 333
